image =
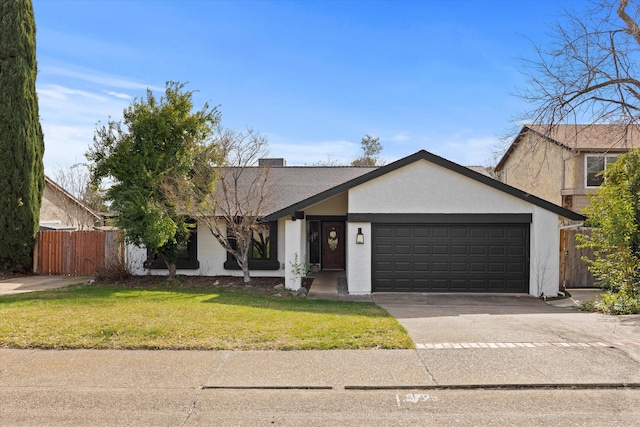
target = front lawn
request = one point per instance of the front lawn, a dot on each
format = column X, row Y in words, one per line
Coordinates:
column 162, row 315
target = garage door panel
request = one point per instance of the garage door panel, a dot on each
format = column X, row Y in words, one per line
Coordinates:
column 459, row 267
column 384, row 267
column 384, row 231
column 421, row 232
column 421, row 266
column 440, row 232
column 515, row 251
column 421, row 249
column 450, row 258
column 478, row 233
column 384, row 249
column 459, row 285
column 440, row 250
column 459, row 250
column 497, row 233
column 477, row 267
column 402, row 249
column 457, row 233
column 477, row 250
column 516, row 233
column 440, row 267
column 497, row 250
column 495, row 267
column 402, row 232
column 515, row 268
column 402, row 267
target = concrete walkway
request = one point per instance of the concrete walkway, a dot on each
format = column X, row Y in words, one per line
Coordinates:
column 18, row 285
column 325, row 287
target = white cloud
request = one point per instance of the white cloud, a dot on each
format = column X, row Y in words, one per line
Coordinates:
column 93, row 76
column 399, row 137
column 118, row 95
column 69, row 117
column 64, row 93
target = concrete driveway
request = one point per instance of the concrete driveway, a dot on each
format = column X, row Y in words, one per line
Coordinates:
column 18, row 285
column 493, row 318
column 499, row 338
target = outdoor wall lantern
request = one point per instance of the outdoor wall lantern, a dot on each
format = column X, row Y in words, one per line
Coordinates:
column 360, row 237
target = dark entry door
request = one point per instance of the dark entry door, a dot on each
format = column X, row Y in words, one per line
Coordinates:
column 333, row 245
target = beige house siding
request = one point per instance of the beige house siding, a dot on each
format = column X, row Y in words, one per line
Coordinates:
column 536, row 166
column 58, row 208
column 549, row 161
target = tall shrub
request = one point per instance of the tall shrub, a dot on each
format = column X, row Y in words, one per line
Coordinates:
column 21, row 139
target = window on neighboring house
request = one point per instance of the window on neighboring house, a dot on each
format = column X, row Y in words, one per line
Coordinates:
column 264, row 253
column 187, row 255
column 594, row 167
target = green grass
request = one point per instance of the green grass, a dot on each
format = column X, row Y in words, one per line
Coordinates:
column 165, row 316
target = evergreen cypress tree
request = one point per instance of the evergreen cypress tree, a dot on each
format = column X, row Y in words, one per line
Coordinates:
column 21, row 139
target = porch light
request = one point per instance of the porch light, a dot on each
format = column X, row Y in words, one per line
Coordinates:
column 360, row 237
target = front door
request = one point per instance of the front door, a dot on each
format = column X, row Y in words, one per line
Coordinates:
column 333, row 245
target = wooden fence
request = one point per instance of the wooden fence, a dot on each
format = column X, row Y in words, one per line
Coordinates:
column 76, row 253
column 573, row 270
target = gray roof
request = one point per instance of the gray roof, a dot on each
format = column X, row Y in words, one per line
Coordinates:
column 290, row 185
column 297, row 183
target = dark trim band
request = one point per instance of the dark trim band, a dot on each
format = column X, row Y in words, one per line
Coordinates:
column 396, row 218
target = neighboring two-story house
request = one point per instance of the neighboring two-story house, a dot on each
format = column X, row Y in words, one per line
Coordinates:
column 60, row 210
column 562, row 164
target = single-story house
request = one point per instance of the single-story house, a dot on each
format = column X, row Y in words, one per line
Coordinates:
column 419, row 224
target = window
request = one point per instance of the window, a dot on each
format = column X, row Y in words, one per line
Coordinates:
column 264, row 253
column 260, row 245
column 187, row 255
column 594, row 166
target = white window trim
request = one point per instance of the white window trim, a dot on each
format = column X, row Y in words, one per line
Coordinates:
column 597, row 156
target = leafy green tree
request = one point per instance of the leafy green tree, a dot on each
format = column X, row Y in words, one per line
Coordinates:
column 615, row 238
column 157, row 138
column 371, row 148
column 21, row 139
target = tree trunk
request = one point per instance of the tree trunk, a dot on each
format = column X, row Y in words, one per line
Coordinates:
column 171, row 266
column 245, row 267
column 172, row 270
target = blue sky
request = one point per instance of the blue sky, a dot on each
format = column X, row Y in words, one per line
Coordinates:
column 313, row 76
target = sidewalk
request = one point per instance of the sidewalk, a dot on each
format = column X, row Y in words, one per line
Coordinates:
column 339, row 369
column 17, row 285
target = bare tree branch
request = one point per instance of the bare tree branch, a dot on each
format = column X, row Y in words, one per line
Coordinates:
column 228, row 192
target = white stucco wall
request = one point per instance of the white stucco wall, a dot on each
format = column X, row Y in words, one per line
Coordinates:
column 211, row 256
column 545, row 245
column 358, row 259
column 295, row 251
column 423, row 187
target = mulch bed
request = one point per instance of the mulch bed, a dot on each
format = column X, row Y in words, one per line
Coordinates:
column 258, row 283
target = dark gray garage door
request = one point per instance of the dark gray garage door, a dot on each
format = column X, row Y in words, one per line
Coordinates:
column 450, row 258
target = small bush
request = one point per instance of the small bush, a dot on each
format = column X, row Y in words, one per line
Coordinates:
column 619, row 303
column 114, row 272
column 613, row 303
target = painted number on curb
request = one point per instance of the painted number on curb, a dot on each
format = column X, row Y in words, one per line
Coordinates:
column 415, row 398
